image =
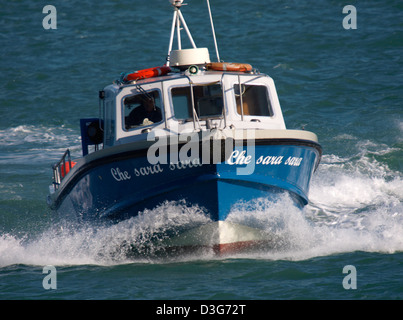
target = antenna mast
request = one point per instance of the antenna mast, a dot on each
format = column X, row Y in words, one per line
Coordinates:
column 212, row 28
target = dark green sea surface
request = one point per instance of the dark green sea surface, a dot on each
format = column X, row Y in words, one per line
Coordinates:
column 344, row 85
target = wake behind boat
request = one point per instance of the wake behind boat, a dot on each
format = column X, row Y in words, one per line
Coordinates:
column 208, row 133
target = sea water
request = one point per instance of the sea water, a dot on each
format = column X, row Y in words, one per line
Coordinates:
column 346, row 85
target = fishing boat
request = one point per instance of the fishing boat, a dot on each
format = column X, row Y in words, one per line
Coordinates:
column 209, row 133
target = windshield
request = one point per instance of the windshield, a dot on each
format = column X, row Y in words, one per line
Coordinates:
column 207, row 99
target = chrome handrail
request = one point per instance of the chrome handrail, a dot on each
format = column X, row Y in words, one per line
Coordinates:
column 59, row 169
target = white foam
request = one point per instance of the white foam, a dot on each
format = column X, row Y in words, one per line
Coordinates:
column 68, row 243
column 35, row 134
column 298, row 235
column 31, row 144
column 356, row 204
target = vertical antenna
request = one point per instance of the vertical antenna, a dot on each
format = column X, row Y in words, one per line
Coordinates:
column 212, row 28
column 171, row 39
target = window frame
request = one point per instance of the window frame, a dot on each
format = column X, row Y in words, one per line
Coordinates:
column 269, row 105
column 190, row 105
column 139, row 93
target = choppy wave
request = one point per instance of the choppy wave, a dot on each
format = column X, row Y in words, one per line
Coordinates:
column 27, row 142
column 34, row 134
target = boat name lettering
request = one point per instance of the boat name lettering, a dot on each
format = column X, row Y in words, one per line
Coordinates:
column 145, row 171
column 185, row 164
column 118, row 175
column 293, row 161
column 239, row 158
column 270, row 160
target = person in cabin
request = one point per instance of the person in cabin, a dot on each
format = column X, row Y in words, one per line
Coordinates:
column 145, row 114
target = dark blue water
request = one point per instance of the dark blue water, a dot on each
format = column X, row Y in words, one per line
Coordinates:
column 344, row 85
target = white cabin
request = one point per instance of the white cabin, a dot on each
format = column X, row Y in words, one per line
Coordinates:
column 221, row 100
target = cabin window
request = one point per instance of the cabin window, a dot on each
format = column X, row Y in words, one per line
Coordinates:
column 142, row 110
column 255, row 100
column 208, row 101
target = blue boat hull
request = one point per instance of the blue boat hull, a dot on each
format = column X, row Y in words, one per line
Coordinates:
column 121, row 186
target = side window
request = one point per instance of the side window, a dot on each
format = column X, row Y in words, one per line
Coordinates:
column 182, row 103
column 142, row 110
column 109, row 122
column 208, row 101
column 255, row 100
